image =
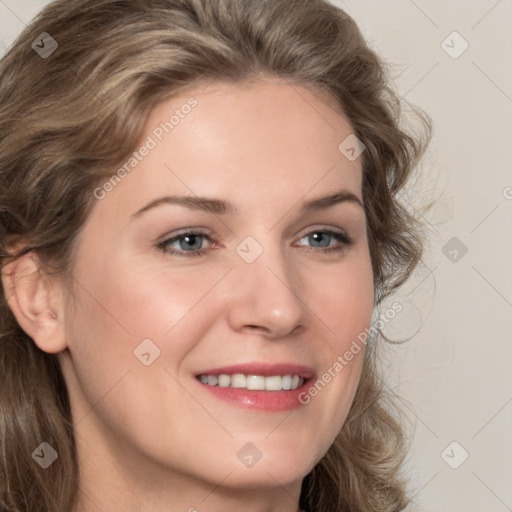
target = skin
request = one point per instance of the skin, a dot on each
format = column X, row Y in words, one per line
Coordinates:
column 148, row 437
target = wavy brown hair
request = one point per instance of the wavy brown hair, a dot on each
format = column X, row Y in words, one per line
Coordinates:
column 67, row 120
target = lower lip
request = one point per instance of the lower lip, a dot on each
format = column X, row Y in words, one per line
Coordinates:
column 271, row 401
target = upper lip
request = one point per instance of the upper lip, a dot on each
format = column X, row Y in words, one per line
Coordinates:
column 263, row 369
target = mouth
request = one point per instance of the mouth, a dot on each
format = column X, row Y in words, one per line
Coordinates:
column 260, row 386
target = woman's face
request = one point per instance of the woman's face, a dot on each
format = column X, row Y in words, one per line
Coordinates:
column 279, row 290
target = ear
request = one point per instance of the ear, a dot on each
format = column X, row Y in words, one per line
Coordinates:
column 35, row 298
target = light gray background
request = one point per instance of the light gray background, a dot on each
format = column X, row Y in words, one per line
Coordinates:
column 454, row 374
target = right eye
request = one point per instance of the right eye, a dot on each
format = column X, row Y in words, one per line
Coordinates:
column 184, row 241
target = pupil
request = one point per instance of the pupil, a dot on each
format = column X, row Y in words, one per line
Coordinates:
column 190, row 239
column 320, row 236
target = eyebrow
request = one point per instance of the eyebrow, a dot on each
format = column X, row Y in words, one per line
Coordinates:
column 222, row 207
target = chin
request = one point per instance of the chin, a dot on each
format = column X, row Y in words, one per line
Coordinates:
column 275, row 467
column 268, row 476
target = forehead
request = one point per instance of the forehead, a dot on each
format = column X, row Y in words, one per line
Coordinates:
column 255, row 143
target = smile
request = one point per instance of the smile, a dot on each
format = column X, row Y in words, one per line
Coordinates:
column 254, row 382
column 258, row 385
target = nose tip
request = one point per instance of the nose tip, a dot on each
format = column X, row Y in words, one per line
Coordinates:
column 263, row 298
column 277, row 326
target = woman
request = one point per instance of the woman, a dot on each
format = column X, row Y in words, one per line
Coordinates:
column 199, row 218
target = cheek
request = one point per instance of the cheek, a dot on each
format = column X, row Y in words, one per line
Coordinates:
column 122, row 305
column 342, row 296
column 153, row 296
column 110, row 317
column 343, row 299
column 128, row 299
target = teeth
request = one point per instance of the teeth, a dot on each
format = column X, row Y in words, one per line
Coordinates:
column 224, row 381
column 273, row 383
column 212, row 380
column 254, row 382
column 287, row 382
column 238, row 381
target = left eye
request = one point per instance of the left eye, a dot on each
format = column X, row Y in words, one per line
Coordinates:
column 325, row 236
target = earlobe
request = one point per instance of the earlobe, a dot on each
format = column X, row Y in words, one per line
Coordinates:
column 32, row 297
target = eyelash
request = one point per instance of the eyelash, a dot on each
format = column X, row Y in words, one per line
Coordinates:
column 339, row 236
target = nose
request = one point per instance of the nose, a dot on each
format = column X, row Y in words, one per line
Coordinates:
column 265, row 296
